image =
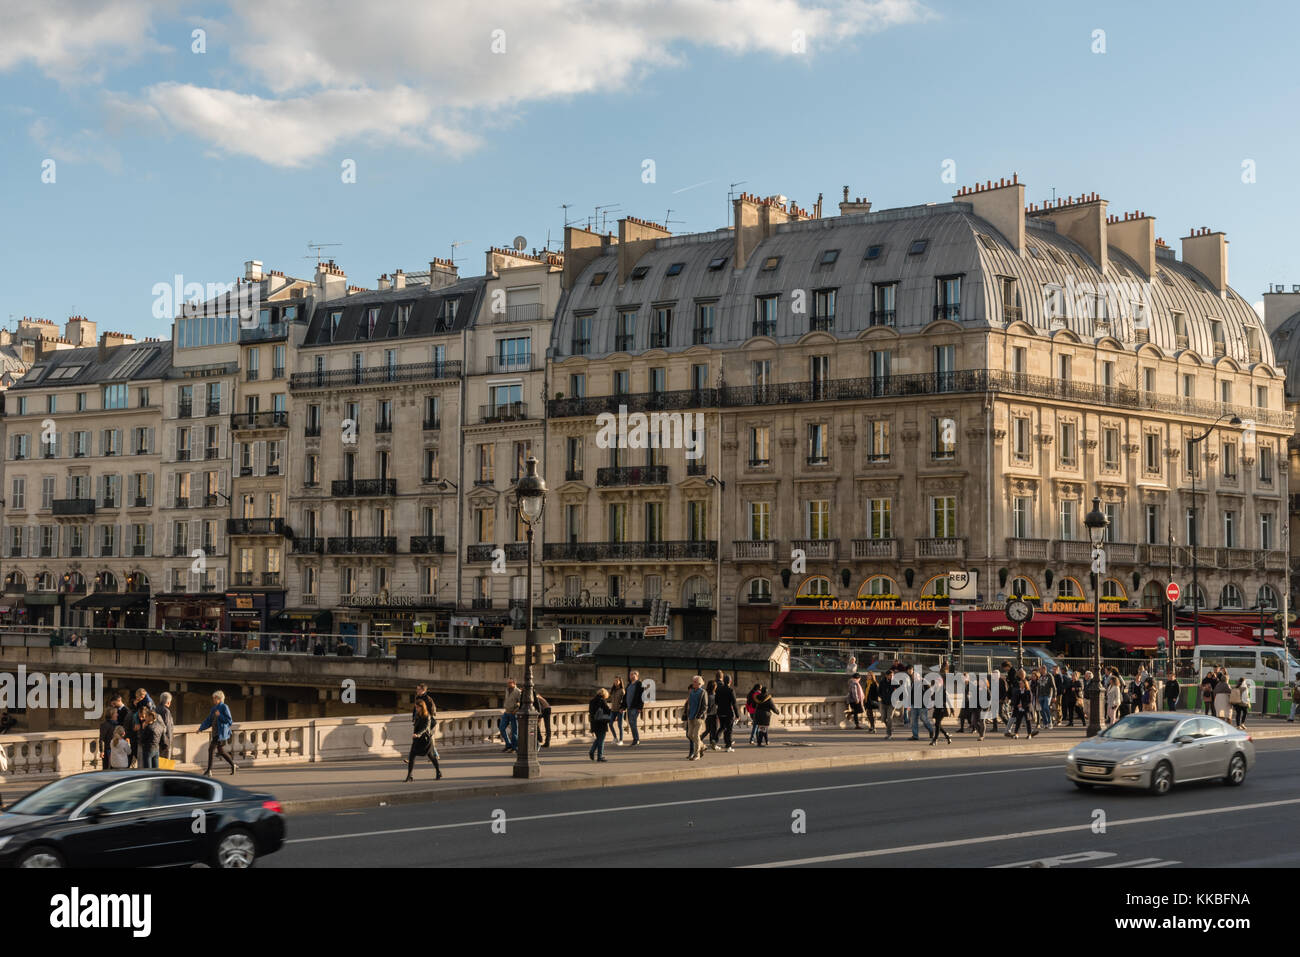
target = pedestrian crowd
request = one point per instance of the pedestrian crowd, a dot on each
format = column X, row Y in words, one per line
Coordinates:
column 138, row 735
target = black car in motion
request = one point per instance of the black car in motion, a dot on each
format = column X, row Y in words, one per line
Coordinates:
column 139, row 818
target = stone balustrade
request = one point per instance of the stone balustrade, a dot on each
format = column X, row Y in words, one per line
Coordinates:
column 311, row 740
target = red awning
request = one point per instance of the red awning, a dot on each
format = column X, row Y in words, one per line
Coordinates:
column 1145, row 637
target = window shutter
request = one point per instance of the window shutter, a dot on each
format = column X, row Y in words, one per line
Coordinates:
column 94, row 544
column 148, row 540
column 170, row 539
column 148, row 494
column 219, row 540
column 196, row 496
column 29, row 541
column 220, row 578
column 171, row 445
column 195, row 536
column 149, row 441
column 223, row 441
column 223, row 483
column 259, row 458
column 196, row 436
column 192, row 580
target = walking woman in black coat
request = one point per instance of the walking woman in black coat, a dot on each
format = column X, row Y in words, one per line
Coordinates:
column 1022, row 706
column 942, row 708
column 421, row 739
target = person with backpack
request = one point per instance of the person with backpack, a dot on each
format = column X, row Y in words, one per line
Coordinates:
column 617, row 705
column 1207, row 691
column 751, row 700
column 711, row 715
column 1222, row 695
column 222, row 724
column 421, row 738
column 1241, row 698
column 599, row 713
column 855, row 699
column 1045, row 688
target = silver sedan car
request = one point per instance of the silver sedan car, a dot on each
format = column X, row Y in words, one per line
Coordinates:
column 1152, row 750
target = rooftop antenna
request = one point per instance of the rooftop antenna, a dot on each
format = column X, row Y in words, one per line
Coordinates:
column 565, row 207
column 602, row 212
column 668, row 220
column 731, row 197
column 459, row 242
column 318, row 247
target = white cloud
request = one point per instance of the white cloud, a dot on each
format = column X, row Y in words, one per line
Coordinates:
column 426, row 74
column 82, row 146
column 73, row 40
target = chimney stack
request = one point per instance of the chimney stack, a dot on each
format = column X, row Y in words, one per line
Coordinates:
column 442, row 273
column 1280, row 304
column 399, row 279
column 1002, row 204
column 636, row 237
column 1083, row 219
column 581, row 248
column 382, row 284
column 1207, row 253
column 80, row 331
column 331, row 281
column 1135, row 235
column 859, row 204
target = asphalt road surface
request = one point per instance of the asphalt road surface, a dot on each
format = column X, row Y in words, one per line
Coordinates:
column 990, row 812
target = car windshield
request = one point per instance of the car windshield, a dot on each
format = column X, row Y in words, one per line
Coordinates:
column 60, row 797
column 1138, row 728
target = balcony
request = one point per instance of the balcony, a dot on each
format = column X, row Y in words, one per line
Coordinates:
column 182, row 455
column 884, row 317
column 139, row 551
column 74, row 506
column 254, row 526
column 622, row 476
column 210, row 454
column 817, row 549
column 432, row 425
column 481, row 604
column 185, row 410
column 266, row 333
column 277, row 372
column 941, row 548
column 523, row 312
column 210, row 501
column 875, row 548
column 979, row 381
column 308, row 546
column 375, row 375
column 761, row 328
column 950, row 310
column 760, row 463
column 366, row 545
column 818, row 460
column 659, row 340
column 427, row 544
column 214, row 408
column 76, row 551
column 179, row 548
column 311, row 431
column 514, row 552
column 1237, row 557
column 1012, row 313
column 510, row 363
column 270, row 579
column 682, row 551
column 110, row 502
column 573, row 475
column 579, row 347
column 248, row 421
column 384, row 425
column 821, row 324
column 753, row 551
column 243, row 579
column 1079, row 553
column 503, row 412
column 364, row 488
column 623, row 343
column 696, row 467
column 251, row 375
column 702, row 335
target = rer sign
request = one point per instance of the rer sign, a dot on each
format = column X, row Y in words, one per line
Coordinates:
column 1172, row 592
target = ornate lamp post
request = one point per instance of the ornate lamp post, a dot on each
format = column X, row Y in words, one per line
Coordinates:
column 1194, row 465
column 530, row 493
column 1096, row 523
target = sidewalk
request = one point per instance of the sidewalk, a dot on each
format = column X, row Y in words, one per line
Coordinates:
column 345, row 785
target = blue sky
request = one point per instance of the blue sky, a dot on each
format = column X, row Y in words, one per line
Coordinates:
column 175, row 162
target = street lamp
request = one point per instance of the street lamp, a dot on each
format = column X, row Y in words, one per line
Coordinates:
column 1096, row 523
column 1194, row 465
column 530, row 493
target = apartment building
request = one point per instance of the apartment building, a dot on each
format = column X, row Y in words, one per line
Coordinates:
column 887, row 396
column 81, row 540
column 374, row 402
column 504, row 424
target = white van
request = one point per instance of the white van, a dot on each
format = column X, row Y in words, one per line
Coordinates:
column 1261, row 664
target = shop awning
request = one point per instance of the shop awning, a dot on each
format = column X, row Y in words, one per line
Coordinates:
column 112, row 600
column 1146, row 637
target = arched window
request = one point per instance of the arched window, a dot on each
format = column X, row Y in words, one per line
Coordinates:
column 137, row 581
column 44, row 581
column 758, row 591
column 106, row 581
column 1023, row 588
column 814, row 589
column 1266, row 597
column 1067, row 589
column 1152, row 595
column 1113, row 591
column 73, row 582
column 15, row 581
column 696, row 593
column 879, row 588
column 1185, row 600
column 936, row 587
column 1230, row 597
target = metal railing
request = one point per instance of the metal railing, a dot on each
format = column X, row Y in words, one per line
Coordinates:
column 364, row 545
column 73, row 506
column 364, row 487
column 254, row 526
column 376, row 375
column 504, row 412
column 616, row 551
column 427, row 544
column 274, row 330
column 624, row 475
column 259, row 420
column 308, row 546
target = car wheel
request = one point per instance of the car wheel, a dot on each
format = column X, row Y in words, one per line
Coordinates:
column 41, row 857
column 1083, row 785
column 235, row 848
column 1162, row 778
column 1236, row 771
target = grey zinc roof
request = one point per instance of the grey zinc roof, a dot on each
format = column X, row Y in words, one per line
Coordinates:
column 131, row 362
column 428, row 312
column 954, row 248
column 1286, row 344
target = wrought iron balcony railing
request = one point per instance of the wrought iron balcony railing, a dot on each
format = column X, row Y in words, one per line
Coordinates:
column 427, row 544
column 632, row 475
column 357, row 488
column 74, row 506
column 259, row 420
column 625, row 551
column 254, row 526
column 376, row 375
column 365, row 545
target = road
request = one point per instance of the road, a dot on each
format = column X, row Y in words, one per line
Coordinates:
column 989, row 812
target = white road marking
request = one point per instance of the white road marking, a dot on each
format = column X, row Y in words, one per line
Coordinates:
column 1140, row 862
column 1042, row 832
column 644, row 807
column 1062, row 860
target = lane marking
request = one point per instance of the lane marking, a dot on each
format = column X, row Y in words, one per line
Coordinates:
column 1042, row 832
column 1163, row 864
column 1140, row 862
column 663, row 804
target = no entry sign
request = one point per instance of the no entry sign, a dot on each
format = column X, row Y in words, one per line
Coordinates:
column 1172, row 592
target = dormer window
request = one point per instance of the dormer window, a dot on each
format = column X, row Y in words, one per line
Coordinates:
column 770, row 263
column 918, row 247
column 828, row 257
column 599, row 278
column 675, row 269
column 718, row 263
column 638, row 273
column 873, row 252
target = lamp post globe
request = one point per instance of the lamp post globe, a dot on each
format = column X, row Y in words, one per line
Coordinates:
column 530, row 493
column 1096, row 522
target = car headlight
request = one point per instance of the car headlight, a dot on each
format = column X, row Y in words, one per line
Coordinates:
column 1069, row 759
column 5, row 840
column 1140, row 759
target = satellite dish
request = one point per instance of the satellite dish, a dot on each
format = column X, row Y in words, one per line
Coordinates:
column 520, row 244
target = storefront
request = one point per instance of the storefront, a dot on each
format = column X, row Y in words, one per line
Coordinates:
column 177, row 611
column 115, row 609
column 32, row 608
column 249, row 615
column 363, row 619
column 295, row 629
column 584, row 627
